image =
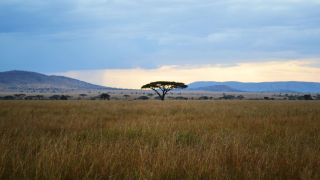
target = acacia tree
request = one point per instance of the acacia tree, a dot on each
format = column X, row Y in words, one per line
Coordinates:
column 54, row 97
column 8, row 98
column 150, row 94
column 126, row 96
column 63, row 97
column 39, row 97
column 19, row 96
column 83, row 95
column 144, row 97
column 240, row 97
column 68, row 96
column 164, row 86
column 105, row 96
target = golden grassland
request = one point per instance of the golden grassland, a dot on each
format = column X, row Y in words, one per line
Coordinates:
column 159, row 140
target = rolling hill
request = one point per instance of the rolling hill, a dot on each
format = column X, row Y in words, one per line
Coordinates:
column 216, row 88
column 289, row 86
column 32, row 81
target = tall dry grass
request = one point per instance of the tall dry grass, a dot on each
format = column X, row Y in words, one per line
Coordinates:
column 159, row 140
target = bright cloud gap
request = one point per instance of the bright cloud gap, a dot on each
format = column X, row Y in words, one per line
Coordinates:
column 295, row 70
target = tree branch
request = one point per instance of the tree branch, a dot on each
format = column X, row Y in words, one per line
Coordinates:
column 157, row 92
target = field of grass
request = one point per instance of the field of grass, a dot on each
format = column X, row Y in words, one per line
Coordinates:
column 159, row 140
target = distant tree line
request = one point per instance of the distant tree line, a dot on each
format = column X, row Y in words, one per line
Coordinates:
column 304, row 97
column 149, row 96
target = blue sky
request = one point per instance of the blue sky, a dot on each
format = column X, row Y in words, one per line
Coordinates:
column 58, row 36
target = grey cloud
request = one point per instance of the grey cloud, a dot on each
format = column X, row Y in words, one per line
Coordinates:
column 127, row 34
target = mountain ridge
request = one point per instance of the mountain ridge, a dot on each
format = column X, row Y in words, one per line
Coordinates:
column 215, row 88
column 26, row 80
column 295, row 86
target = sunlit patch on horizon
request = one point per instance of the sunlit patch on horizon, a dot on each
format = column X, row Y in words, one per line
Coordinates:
column 295, row 70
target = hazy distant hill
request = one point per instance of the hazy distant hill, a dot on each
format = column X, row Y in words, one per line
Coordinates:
column 216, row 88
column 303, row 87
column 24, row 80
column 283, row 91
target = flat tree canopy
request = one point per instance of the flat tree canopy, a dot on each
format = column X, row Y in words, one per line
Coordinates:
column 83, row 95
column 104, row 96
column 164, row 86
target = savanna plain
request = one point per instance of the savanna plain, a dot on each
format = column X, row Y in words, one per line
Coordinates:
column 160, row 140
